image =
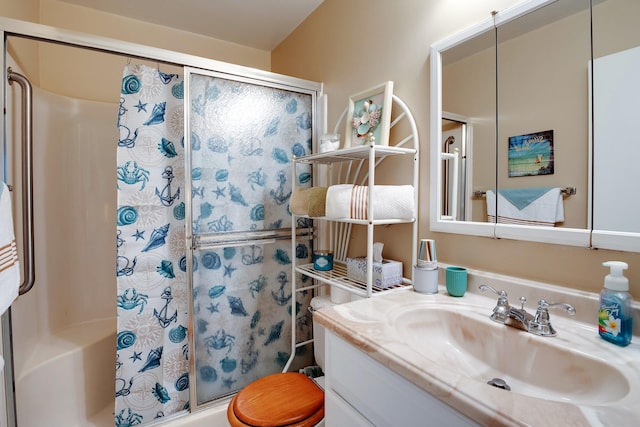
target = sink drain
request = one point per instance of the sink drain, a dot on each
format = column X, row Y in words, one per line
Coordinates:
column 499, row 383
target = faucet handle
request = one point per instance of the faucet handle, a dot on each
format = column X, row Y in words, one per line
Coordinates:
column 567, row 307
column 522, row 301
column 541, row 324
column 500, row 294
column 502, row 307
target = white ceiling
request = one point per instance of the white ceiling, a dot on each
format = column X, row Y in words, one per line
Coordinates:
column 261, row 24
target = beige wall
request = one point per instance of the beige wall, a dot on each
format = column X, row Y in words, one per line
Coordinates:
column 357, row 44
column 24, row 53
column 26, row 10
column 61, row 69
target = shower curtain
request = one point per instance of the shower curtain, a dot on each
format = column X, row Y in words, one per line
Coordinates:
column 242, row 138
column 152, row 303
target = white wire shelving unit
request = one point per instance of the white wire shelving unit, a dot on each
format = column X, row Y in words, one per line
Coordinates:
column 357, row 165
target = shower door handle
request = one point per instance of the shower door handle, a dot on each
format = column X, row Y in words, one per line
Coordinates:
column 264, row 237
column 27, row 179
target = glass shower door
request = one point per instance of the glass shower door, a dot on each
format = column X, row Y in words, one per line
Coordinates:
column 241, row 136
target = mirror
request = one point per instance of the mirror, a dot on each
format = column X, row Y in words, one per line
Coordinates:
column 616, row 91
column 543, row 61
column 468, row 102
column 463, row 154
column 541, row 82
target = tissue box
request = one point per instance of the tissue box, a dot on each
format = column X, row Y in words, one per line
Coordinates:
column 385, row 274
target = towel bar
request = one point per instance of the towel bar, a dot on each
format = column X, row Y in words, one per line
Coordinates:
column 566, row 191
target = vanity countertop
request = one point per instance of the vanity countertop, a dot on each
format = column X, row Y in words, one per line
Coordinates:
column 366, row 324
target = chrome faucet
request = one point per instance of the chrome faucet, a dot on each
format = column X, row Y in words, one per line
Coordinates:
column 538, row 324
column 518, row 317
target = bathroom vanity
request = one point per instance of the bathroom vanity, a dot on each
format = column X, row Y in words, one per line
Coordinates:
column 361, row 391
column 412, row 359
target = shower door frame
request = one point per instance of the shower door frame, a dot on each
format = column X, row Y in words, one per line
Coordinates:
column 43, row 33
column 241, row 238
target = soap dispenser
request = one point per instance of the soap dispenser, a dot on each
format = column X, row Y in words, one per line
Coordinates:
column 615, row 316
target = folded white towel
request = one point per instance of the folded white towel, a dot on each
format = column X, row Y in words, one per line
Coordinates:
column 347, row 201
column 9, row 267
column 546, row 210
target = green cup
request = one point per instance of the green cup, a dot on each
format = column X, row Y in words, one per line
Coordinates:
column 456, row 281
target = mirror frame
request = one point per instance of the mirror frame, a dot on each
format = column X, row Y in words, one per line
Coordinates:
column 562, row 236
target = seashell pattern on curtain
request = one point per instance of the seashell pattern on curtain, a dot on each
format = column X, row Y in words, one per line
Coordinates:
column 152, row 378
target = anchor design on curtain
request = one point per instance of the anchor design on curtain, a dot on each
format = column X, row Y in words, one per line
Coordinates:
column 152, row 306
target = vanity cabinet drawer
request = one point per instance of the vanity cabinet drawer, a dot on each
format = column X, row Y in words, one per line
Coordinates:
column 337, row 412
column 380, row 395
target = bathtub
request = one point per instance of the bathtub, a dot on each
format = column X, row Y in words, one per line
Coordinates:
column 67, row 380
column 214, row 415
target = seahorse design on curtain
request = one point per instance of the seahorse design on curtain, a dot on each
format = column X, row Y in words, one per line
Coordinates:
column 152, row 304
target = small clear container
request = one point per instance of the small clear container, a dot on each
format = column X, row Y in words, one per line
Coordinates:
column 329, row 142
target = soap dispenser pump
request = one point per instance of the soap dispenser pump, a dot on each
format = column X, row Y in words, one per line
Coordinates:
column 615, row 316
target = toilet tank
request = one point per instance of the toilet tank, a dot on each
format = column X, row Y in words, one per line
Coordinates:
column 318, row 330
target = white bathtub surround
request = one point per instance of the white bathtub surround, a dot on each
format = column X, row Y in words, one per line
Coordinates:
column 214, row 415
column 602, row 380
column 63, row 329
column 68, row 378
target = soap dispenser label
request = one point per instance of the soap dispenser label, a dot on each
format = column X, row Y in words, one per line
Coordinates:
column 609, row 321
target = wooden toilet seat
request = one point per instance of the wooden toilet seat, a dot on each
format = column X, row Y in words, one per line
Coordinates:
column 285, row 399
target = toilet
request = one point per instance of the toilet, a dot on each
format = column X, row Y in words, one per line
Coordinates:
column 286, row 399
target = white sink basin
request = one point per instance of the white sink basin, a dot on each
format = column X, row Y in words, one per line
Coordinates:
column 466, row 341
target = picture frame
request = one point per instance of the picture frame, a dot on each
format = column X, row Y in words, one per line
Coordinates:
column 531, row 154
column 369, row 115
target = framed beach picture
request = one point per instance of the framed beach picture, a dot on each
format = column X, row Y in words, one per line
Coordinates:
column 531, row 154
column 369, row 116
